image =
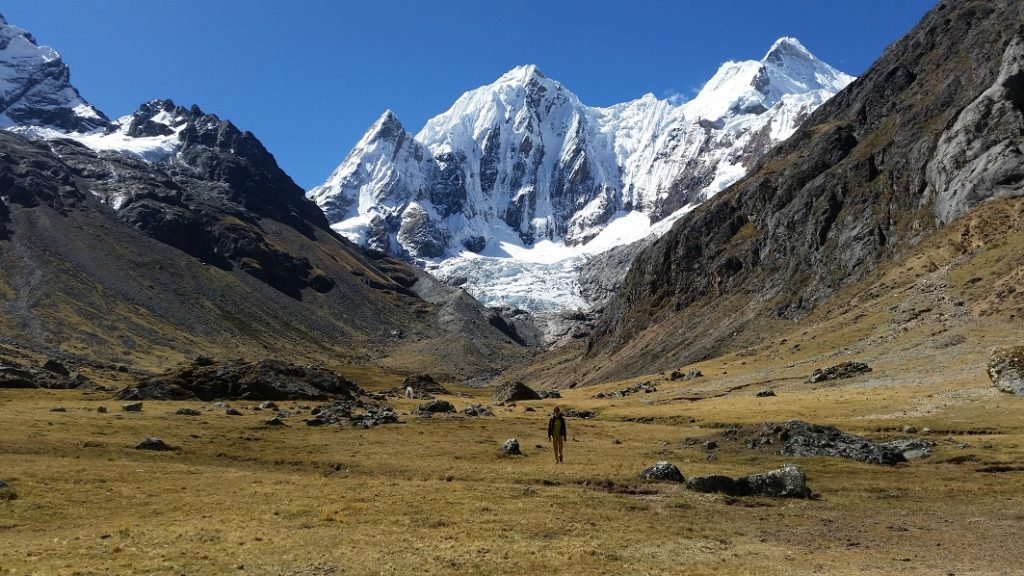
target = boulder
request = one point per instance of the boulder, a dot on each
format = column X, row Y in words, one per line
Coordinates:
column 435, row 407
column 275, row 421
column 803, row 439
column 1006, row 369
column 839, row 371
column 911, row 448
column 155, row 444
column 56, row 368
column 511, row 448
column 132, row 407
column 232, row 412
column 765, row 394
column 423, row 383
column 663, row 472
column 187, row 412
column 101, row 409
column 206, row 379
column 693, row 373
column 514, row 391
column 786, row 482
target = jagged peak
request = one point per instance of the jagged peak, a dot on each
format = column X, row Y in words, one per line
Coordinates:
column 3, row 21
column 787, row 48
column 523, row 73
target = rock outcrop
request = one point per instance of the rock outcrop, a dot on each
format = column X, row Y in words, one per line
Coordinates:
column 514, row 391
column 1006, row 369
column 786, row 482
column 206, row 379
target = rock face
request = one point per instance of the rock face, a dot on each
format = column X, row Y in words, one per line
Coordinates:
column 865, row 179
column 803, row 439
column 786, row 482
column 839, row 371
column 1006, row 369
column 514, row 392
column 262, row 380
column 663, row 472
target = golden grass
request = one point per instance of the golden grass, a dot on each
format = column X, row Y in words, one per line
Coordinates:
column 433, row 497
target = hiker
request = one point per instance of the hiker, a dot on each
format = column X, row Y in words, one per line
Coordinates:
column 408, row 392
column 556, row 432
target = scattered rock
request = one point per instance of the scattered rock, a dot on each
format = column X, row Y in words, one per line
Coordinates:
column 549, row 394
column 582, row 414
column 511, row 448
column 765, row 394
column 58, row 409
column 355, row 414
column 616, row 441
column 101, row 409
column 839, row 371
column 710, row 445
column 477, row 410
column 693, row 373
column 786, row 482
column 434, row 407
column 529, row 409
column 803, row 439
column 514, row 391
column 1006, row 369
column 6, row 492
column 275, row 421
column 232, row 412
column 187, row 412
column 664, row 472
column 267, row 405
column 154, row 443
column 132, row 407
column 908, row 429
column 645, row 387
column 262, row 380
column 675, row 375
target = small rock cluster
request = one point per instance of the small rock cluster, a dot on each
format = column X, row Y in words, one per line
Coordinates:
column 477, row 410
column 839, row 371
column 52, row 375
column 802, row 439
column 352, row 414
column 434, row 407
column 645, row 387
column 689, row 375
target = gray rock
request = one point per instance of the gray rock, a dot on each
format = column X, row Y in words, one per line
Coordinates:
column 155, row 444
column 513, row 392
column 275, row 421
column 477, row 410
column 911, row 448
column 511, row 448
column 267, row 405
column 786, row 482
column 232, row 412
column 58, row 409
column 1006, row 369
column 6, row 492
column 132, row 407
column 616, row 441
column 803, row 439
column 101, row 409
column 765, row 394
column 839, row 371
column 187, row 412
column 435, row 407
column 57, row 368
column 693, row 373
column 663, row 472
column 908, row 429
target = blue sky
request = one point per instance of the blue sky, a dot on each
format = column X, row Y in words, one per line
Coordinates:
column 308, row 77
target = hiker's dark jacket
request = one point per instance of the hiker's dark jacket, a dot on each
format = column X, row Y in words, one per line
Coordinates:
column 551, row 426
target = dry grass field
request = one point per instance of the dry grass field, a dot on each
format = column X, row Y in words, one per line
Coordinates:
column 432, row 496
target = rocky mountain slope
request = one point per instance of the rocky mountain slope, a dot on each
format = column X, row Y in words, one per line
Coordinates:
column 930, row 133
column 172, row 232
column 522, row 163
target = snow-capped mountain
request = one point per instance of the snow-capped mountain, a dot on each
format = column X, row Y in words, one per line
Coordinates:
column 523, row 165
column 35, row 87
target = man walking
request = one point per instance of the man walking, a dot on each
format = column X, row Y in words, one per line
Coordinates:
column 556, row 432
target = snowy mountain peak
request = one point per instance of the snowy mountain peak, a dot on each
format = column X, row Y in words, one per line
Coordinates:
column 35, row 87
column 789, row 48
column 523, row 74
